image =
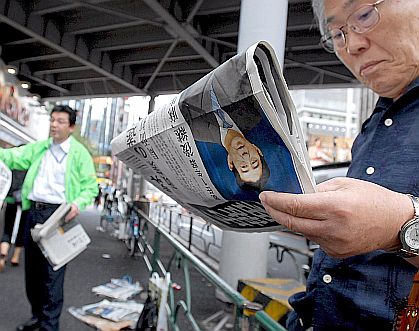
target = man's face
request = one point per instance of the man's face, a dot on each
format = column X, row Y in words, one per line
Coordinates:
column 386, row 58
column 60, row 128
column 245, row 158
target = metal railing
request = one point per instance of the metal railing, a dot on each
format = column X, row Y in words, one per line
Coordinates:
column 185, row 223
column 151, row 254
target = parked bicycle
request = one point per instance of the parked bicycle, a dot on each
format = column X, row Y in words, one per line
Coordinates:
column 112, row 214
column 132, row 230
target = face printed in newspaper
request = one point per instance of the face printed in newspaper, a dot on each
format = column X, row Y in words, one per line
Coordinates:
column 245, row 158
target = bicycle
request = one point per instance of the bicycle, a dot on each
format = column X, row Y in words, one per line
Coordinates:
column 111, row 215
column 132, row 230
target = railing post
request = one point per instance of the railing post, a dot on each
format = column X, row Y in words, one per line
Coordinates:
column 170, row 222
column 156, row 247
column 190, row 234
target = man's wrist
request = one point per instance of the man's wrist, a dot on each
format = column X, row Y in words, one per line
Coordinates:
column 404, row 247
column 406, row 214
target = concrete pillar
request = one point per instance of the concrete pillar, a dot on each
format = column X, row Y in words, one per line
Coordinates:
column 263, row 20
column 246, row 255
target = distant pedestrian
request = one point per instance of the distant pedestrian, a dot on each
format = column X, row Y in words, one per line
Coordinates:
column 60, row 170
column 13, row 213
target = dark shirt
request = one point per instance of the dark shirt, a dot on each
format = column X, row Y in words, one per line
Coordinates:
column 363, row 292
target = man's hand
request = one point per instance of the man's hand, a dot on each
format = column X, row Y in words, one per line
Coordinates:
column 74, row 211
column 345, row 217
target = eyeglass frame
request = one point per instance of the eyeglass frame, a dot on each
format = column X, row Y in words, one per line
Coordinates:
column 328, row 36
column 58, row 120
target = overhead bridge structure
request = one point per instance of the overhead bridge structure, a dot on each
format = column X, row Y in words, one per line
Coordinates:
column 75, row 49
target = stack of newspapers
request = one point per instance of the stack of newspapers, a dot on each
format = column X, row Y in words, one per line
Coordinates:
column 113, row 311
column 59, row 241
column 223, row 140
column 118, row 288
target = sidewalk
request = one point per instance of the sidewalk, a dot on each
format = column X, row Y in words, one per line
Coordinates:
column 91, row 269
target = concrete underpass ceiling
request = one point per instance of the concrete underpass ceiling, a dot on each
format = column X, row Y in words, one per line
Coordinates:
column 68, row 49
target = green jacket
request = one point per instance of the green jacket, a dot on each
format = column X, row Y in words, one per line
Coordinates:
column 80, row 178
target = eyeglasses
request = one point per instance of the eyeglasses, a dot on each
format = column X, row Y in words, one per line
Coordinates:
column 362, row 20
column 59, row 121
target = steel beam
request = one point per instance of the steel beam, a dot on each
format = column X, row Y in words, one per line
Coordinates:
column 24, row 71
column 59, row 70
column 48, row 40
column 37, row 58
column 181, row 31
column 160, row 65
column 107, row 27
column 56, row 9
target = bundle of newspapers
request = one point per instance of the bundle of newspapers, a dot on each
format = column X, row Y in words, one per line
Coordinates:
column 223, row 140
column 118, row 288
column 59, row 241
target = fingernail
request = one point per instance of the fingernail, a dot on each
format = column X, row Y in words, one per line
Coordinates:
column 262, row 197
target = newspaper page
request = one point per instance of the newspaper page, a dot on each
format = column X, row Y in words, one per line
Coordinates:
column 5, row 181
column 223, row 140
column 115, row 311
column 60, row 241
column 118, row 288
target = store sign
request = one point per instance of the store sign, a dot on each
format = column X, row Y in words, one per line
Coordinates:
column 12, row 105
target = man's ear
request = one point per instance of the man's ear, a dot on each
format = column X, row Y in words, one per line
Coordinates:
column 230, row 162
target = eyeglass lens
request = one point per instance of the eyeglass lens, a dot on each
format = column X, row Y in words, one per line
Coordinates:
column 360, row 21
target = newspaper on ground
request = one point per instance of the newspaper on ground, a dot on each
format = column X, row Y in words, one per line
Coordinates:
column 114, row 310
column 108, row 316
column 223, row 140
column 60, row 241
column 118, row 288
column 5, row 181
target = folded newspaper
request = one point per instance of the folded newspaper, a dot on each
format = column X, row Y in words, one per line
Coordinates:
column 118, row 288
column 115, row 311
column 5, row 182
column 223, row 140
column 59, row 241
column 92, row 315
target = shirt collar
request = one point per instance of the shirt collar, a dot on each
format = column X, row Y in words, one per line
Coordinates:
column 65, row 145
column 385, row 103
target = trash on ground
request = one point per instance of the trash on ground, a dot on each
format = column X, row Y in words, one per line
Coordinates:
column 176, row 286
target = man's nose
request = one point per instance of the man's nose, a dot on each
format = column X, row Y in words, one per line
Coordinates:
column 356, row 42
column 244, row 153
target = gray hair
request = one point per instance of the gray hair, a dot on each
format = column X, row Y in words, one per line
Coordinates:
column 318, row 9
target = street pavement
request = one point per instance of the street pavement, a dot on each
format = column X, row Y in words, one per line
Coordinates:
column 91, row 268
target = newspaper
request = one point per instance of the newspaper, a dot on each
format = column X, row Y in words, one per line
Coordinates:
column 118, row 288
column 107, row 315
column 115, row 311
column 223, row 140
column 59, row 241
column 5, row 181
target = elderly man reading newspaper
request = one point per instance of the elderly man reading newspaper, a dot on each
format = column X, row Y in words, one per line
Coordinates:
column 367, row 225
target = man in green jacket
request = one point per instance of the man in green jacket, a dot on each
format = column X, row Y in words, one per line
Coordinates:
column 59, row 170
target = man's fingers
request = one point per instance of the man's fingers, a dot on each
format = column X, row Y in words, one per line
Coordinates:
column 335, row 184
column 74, row 211
column 310, row 206
column 305, row 226
column 70, row 216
